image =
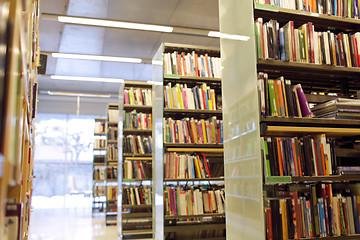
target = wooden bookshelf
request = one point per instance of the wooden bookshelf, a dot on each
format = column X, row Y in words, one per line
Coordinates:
column 314, row 122
column 138, row 158
column 195, row 216
column 137, row 131
column 304, row 179
column 137, row 215
column 137, row 206
column 205, row 150
column 193, row 145
column 190, row 79
column 194, row 179
column 195, row 227
column 135, row 179
column 196, row 112
column 137, row 155
column 138, row 107
column 293, row 130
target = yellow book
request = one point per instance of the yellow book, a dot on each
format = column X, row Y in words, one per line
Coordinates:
column 284, row 95
column 213, row 99
column 209, row 98
column 131, row 96
column 197, row 164
column 284, row 219
column 179, row 96
column 204, row 130
column 348, row 48
column 303, row 30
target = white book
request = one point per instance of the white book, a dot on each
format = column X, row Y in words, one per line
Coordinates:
column 297, row 45
column 201, row 203
column 190, row 98
column 200, row 98
column 138, row 202
column 316, row 47
column 266, row 50
column 219, row 203
column 327, row 49
column 113, row 115
column 350, row 215
column 346, row 44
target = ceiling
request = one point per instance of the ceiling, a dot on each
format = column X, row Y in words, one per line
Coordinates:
column 68, row 38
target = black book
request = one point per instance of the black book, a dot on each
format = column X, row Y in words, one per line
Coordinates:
column 274, row 169
column 352, row 51
column 314, row 210
column 266, row 89
column 322, row 47
column 286, row 153
column 290, row 218
column 334, row 163
column 303, row 164
column 276, row 218
column 319, row 156
column 308, row 156
column 337, row 51
column 294, row 103
column 270, row 40
column 289, row 98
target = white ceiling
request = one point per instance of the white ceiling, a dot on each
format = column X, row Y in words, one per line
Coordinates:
column 67, row 38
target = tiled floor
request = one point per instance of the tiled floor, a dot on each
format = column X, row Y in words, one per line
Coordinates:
column 69, row 224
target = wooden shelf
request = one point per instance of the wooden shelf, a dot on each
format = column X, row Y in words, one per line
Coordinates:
column 136, row 180
column 188, row 149
column 136, row 215
column 350, row 237
column 314, row 122
column 100, row 149
column 194, row 145
column 176, row 78
column 138, row 158
column 293, row 130
column 99, row 165
column 138, row 107
column 112, row 123
column 99, row 181
column 112, row 141
column 300, row 17
column 137, row 155
column 111, row 180
column 100, row 133
column 137, row 131
column 193, row 179
column 296, row 179
column 129, row 83
column 194, row 227
column 137, row 232
column 196, row 216
column 137, row 206
column 170, row 111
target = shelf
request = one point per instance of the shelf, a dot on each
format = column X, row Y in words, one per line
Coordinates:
column 136, row 215
column 318, row 122
column 300, row 17
column 205, row 150
column 193, row 145
column 99, row 181
column 112, row 123
column 350, row 237
column 138, row 107
column 100, row 149
column 112, row 141
column 196, row 216
column 191, row 79
column 111, row 162
column 136, row 180
column 137, row 206
column 100, row 133
column 295, row 179
column 137, row 232
column 293, row 130
column 194, row 179
column 137, row 131
column 194, row 112
column 138, row 158
column 111, row 180
column 137, row 155
column 99, row 165
column 194, row 227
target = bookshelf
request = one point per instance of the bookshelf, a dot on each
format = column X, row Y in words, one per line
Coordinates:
column 251, row 192
column 137, row 161
column 168, row 147
column 18, row 90
column 99, row 166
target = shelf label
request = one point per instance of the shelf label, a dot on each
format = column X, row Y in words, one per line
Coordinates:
column 278, row 179
column 171, row 76
column 266, row 7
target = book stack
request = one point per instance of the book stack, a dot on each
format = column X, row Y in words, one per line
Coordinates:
column 321, row 213
column 100, row 126
column 99, row 174
column 112, row 133
column 112, row 173
column 181, row 200
column 137, row 169
column 137, row 96
column 112, row 192
column 182, row 97
column 186, row 166
column 191, row 64
column 112, row 152
column 135, row 120
column 279, row 98
column 136, row 144
column 349, row 9
column 192, row 130
column 339, row 108
column 137, row 195
column 306, row 45
column 299, row 156
column 99, row 158
column 99, row 191
column 99, row 143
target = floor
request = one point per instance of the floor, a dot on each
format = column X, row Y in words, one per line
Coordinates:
column 69, row 224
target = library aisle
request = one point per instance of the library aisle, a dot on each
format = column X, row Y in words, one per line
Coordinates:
column 69, row 224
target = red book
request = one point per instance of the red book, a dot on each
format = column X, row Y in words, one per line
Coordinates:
column 345, row 217
column 206, row 164
column 204, row 98
column 356, row 52
column 141, row 196
column 207, row 65
column 269, row 233
column 218, row 131
column 297, row 215
column 293, row 41
column 311, row 31
column 196, row 66
column 179, row 64
column 183, row 63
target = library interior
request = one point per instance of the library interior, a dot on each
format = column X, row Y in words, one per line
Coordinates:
column 179, row 119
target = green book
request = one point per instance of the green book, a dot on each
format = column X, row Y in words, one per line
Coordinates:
column 342, row 217
column 273, row 107
column 265, row 156
column 258, row 41
column 302, row 47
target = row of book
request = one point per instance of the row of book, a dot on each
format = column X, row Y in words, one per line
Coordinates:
column 137, row 96
column 99, row 143
column 112, row 192
column 181, row 200
column 190, row 130
column 99, row 190
column 186, row 166
column 342, row 8
column 136, row 144
column 100, row 127
column 112, row 152
column 99, row 174
column 306, row 45
column 321, row 213
column 135, row 120
column 137, row 169
column 99, row 158
column 299, row 156
column 182, row 97
column 113, row 115
column 112, row 173
column 191, row 64
column 279, row 98
column 339, row 108
column 135, row 195
column 112, row 133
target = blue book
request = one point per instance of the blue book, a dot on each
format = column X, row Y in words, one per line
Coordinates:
column 221, row 131
column 335, row 7
column 356, row 9
column 196, row 97
column 176, row 134
column 193, row 167
column 322, row 217
column 356, row 214
column 282, row 44
column 206, row 100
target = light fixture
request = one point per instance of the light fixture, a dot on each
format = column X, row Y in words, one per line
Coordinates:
column 87, row 79
column 96, row 57
column 114, row 24
column 228, row 36
column 76, row 94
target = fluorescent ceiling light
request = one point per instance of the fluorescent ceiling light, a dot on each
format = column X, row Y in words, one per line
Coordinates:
column 115, row 24
column 74, row 94
column 228, row 36
column 157, row 62
column 87, row 79
column 96, row 57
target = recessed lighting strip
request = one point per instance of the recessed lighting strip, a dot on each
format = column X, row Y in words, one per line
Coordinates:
column 87, row 79
column 96, row 57
column 76, row 94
